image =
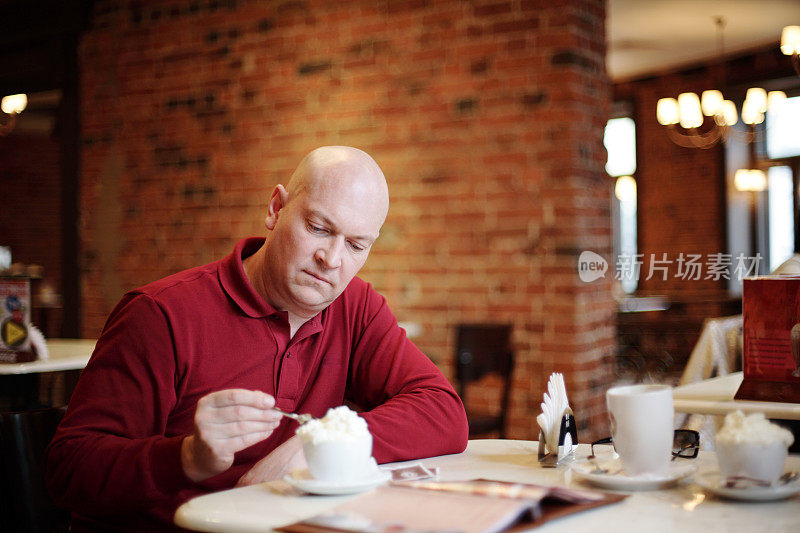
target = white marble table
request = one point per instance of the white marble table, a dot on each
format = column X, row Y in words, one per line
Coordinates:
column 685, row 507
column 22, row 385
column 64, row 354
column 715, row 397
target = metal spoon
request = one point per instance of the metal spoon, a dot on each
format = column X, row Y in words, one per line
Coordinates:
column 599, row 469
column 301, row 418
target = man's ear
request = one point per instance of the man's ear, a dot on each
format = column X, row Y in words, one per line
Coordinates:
column 277, row 201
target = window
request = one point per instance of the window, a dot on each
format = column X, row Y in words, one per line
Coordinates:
column 620, row 142
column 783, row 149
column 781, row 216
column 783, row 129
column 767, row 217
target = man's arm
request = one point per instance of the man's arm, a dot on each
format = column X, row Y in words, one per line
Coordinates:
column 119, row 447
column 411, row 409
column 110, row 451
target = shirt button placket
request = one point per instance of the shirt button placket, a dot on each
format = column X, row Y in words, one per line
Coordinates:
column 288, row 381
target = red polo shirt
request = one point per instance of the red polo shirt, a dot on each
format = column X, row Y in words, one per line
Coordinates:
column 115, row 459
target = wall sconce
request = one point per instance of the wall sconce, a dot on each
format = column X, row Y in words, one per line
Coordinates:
column 12, row 106
column 790, row 45
column 625, row 189
column 750, row 180
column 754, row 182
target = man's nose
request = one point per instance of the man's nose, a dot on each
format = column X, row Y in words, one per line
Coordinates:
column 330, row 256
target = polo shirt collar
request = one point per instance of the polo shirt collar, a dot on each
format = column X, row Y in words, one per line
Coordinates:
column 236, row 284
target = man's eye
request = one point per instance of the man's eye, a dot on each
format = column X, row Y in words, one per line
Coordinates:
column 357, row 247
column 315, row 229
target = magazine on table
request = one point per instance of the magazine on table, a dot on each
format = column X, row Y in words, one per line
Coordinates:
column 477, row 506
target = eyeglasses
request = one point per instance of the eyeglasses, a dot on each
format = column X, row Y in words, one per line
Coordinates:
column 685, row 443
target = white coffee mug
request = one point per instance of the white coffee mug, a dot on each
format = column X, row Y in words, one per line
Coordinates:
column 339, row 461
column 641, row 427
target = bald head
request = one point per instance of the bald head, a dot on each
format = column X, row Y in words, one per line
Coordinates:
column 341, row 170
column 322, row 226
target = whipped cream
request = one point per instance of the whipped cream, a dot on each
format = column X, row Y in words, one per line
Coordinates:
column 338, row 424
column 752, row 429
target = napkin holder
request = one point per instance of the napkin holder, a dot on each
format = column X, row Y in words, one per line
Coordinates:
column 568, row 427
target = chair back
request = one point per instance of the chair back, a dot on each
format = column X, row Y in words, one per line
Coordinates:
column 483, row 349
column 24, row 502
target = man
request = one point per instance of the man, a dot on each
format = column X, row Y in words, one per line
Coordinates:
column 177, row 398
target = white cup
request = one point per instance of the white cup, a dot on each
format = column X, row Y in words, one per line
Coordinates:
column 641, row 427
column 339, row 461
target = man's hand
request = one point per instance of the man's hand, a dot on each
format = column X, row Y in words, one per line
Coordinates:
column 225, row 422
column 280, row 462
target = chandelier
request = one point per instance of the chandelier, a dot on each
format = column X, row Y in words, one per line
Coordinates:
column 694, row 121
column 12, row 106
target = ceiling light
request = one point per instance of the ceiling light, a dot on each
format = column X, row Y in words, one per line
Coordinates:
column 790, row 40
column 14, row 103
column 12, row 106
column 751, row 180
column 790, row 45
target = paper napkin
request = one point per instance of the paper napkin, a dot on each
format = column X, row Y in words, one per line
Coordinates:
column 554, row 407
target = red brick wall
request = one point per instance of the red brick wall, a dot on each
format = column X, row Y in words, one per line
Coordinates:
column 485, row 116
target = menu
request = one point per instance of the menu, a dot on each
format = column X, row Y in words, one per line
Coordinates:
column 15, row 309
column 771, row 324
column 476, row 506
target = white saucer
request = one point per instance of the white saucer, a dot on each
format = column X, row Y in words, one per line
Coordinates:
column 304, row 482
column 616, row 479
column 714, row 482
